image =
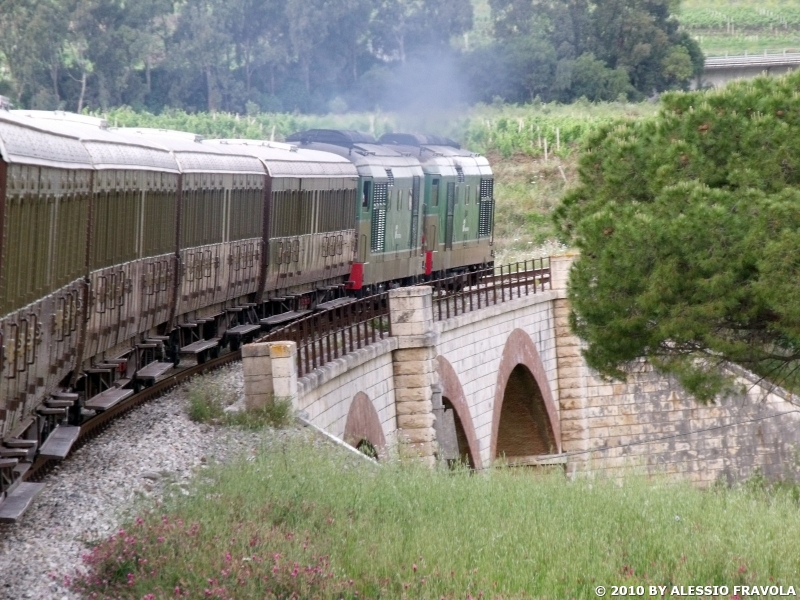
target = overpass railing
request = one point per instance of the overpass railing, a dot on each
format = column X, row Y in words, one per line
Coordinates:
column 459, row 294
column 327, row 335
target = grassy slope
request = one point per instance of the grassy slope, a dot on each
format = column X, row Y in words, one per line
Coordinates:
column 528, row 187
column 307, row 519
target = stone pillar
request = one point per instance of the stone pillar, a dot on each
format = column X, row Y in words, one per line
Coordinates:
column 257, row 366
column 559, row 270
column 571, row 368
column 270, row 371
column 414, row 371
column 284, row 369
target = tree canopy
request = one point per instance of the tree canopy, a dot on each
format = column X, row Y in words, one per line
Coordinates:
column 688, row 226
column 333, row 55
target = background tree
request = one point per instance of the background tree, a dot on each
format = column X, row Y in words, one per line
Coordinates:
column 321, row 55
column 637, row 40
column 688, row 226
column 32, row 35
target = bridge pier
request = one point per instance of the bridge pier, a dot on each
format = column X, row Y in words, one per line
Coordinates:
column 414, row 368
column 270, row 371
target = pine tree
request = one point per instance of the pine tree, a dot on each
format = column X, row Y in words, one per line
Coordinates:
column 688, row 225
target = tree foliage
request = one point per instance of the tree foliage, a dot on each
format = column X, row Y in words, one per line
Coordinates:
column 688, row 225
column 321, row 55
column 591, row 48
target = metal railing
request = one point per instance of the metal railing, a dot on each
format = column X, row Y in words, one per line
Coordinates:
column 459, row 294
column 328, row 335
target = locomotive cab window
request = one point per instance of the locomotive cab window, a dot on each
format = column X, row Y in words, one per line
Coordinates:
column 367, row 194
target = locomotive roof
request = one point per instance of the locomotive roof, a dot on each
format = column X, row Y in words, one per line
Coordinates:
column 439, row 158
column 337, row 137
column 28, row 142
column 370, row 158
column 108, row 150
column 195, row 156
column 286, row 160
column 417, row 139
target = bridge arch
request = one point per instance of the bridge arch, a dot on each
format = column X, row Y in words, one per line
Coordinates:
column 525, row 417
column 453, row 397
column 362, row 428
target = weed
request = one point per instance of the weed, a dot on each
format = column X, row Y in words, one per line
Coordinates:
column 308, row 521
column 279, row 414
column 208, row 400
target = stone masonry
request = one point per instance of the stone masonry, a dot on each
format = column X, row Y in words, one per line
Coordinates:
column 411, row 315
column 270, row 371
column 648, row 423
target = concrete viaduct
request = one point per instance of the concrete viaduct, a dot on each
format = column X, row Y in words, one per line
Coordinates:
column 505, row 383
column 719, row 70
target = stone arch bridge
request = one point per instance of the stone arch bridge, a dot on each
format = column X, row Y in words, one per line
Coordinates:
column 491, row 373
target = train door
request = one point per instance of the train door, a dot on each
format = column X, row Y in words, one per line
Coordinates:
column 450, row 215
column 364, row 223
column 215, row 260
column 413, row 241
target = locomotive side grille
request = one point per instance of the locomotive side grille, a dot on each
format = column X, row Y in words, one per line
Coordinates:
column 487, row 188
column 460, row 173
column 379, row 217
column 390, row 176
column 486, row 208
column 485, row 218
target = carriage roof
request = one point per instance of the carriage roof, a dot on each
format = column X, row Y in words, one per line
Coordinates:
column 287, row 160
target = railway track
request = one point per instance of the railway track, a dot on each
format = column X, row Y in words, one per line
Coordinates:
column 97, row 424
column 321, row 337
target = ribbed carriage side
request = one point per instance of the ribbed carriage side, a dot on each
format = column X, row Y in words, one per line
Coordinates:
column 221, row 222
column 310, row 235
column 44, row 207
column 133, row 241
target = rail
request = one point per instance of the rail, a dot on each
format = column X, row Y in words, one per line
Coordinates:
column 328, row 335
column 459, row 294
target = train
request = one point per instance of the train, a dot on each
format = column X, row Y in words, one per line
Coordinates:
column 125, row 252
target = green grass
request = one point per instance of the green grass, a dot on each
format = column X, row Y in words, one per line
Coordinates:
column 208, row 400
column 527, row 191
column 307, row 520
